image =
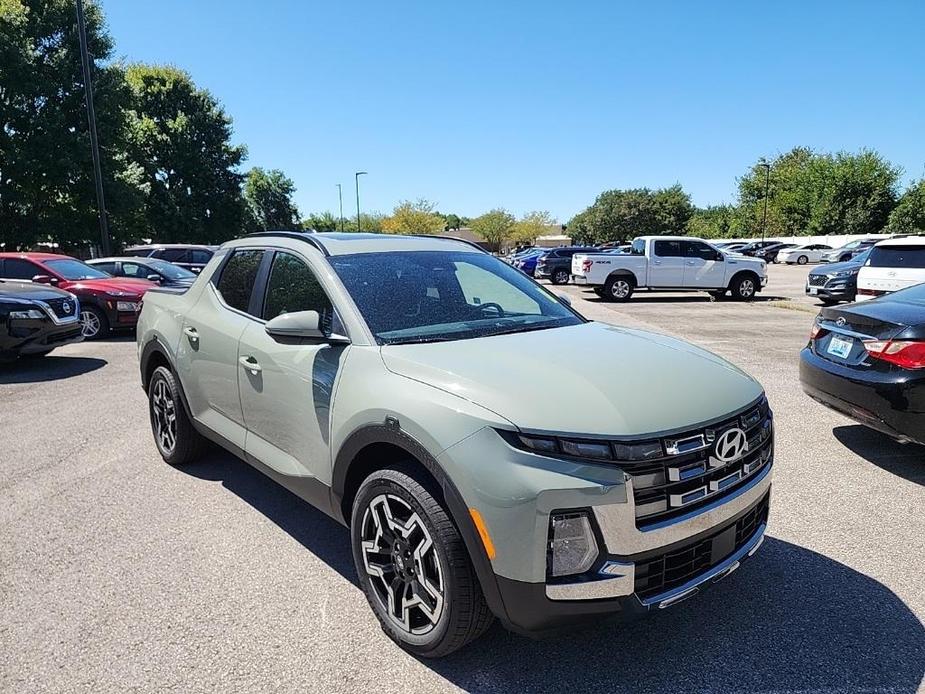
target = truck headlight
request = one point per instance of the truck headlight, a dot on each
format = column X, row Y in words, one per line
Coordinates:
column 32, row 314
column 572, row 546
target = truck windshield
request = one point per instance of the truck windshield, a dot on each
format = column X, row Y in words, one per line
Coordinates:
column 434, row 296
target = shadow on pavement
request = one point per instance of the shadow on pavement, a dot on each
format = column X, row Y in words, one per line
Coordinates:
column 50, row 368
column 906, row 460
column 790, row 620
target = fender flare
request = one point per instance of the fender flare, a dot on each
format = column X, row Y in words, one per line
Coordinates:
column 391, row 433
column 623, row 272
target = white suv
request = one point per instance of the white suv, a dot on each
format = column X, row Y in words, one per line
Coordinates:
column 892, row 265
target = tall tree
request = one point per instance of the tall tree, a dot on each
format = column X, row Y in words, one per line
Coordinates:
column 716, row 222
column 324, row 221
column 619, row 215
column 268, row 198
column 909, row 215
column 181, row 138
column 418, row 217
column 452, row 221
column 533, row 225
column 494, row 226
column 46, row 173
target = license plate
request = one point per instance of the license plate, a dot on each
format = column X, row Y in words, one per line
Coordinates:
column 840, row 346
column 813, row 290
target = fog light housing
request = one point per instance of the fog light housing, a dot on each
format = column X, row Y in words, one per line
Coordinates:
column 572, row 545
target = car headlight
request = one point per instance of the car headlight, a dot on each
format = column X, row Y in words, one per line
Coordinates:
column 30, row 314
column 844, row 273
column 572, row 545
column 126, row 305
column 117, row 294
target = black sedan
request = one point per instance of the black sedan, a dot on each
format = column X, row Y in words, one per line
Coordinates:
column 153, row 269
column 836, row 281
column 36, row 318
column 867, row 361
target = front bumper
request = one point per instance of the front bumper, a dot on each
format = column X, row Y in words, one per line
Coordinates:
column 33, row 337
column 891, row 402
column 836, row 289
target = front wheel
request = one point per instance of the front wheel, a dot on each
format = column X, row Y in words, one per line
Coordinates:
column 744, row 287
column 802, row 260
column 618, row 289
column 413, row 566
column 560, row 277
column 93, row 323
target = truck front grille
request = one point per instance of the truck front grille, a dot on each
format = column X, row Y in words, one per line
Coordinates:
column 675, row 568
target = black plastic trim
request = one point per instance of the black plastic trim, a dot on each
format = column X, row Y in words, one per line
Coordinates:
column 300, row 236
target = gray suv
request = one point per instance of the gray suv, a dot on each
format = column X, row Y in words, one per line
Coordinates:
column 391, row 381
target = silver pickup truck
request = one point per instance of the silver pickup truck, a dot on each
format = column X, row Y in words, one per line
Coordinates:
column 670, row 263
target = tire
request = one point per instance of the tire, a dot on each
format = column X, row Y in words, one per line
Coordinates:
column 449, row 610
column 599, row 291
column 179, row 444
column 560, row 277
column 802, row 260
column 744, row 286
column 618, row 288
column 93, row 323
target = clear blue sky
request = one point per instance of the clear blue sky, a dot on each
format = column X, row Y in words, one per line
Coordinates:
column 541, row 105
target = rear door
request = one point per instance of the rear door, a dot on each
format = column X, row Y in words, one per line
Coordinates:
column 207, row 356
column 666, row 264
column 704, row 266
column 890, row 268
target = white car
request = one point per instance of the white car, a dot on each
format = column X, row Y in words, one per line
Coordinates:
column 892, row 265
column 809, row 253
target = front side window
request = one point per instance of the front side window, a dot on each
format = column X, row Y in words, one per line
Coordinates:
column 73, row 270
column 638, row 247
column 134, row 270
column 698, row 249
column 238, row 277
column 432, row 296
column 293, row 287
column 19, row 269
column 200, row 257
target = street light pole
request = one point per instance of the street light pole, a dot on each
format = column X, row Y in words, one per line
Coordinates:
column 767, row 185
column 91, row 119
column 356, row 178
column 340, row 199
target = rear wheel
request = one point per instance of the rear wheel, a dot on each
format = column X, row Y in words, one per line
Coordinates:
column 619, row 288
column 744, row 286
column 413, row 566
column 93, row 323
column 560, row 277
column 177, row 440
column 802, row 260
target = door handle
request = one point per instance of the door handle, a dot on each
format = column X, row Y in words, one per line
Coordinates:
column 656, row 262
column 250, row 364
column 191, row 334
column 690, row 262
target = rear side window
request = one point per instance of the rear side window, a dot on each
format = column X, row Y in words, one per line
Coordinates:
column 200, row 257
column 173, row 255
column 293, row 287
column 238, row 277
column 897, row 256
column 668, row 249
column 106, row 267
column 638, row 247
column 19, row 269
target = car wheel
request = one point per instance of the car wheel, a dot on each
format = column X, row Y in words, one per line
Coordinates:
column 560, row 277
column 413, row 566
column 177, row 440
column 802, row 260
column 618, row 288
column 93, row 323
column 743, row 287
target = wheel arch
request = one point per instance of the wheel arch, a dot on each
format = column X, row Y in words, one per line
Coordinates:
column 623, row 272
column 740, row 274
column 377, row 446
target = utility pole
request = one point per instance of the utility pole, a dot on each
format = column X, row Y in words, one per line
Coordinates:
column 767, row 187
column 340, row 199
column 356, row 178
column 91, row 118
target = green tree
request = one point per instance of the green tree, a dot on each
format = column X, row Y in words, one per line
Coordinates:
column 716, row 222
column 418, row 217
column 268, row 197
column 533, row 225
column 909, row 214
column 619, row 215
column 181, row 138
column 494, row 227
column 452, row 221
column 325, row 221
column 46, row 175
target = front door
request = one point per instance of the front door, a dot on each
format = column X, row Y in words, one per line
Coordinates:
column 287, row 384
column 207, row 355
column 666, row 266
column 704, row 266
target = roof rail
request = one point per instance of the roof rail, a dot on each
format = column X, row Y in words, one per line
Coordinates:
column 445, row 237
column 308, row 237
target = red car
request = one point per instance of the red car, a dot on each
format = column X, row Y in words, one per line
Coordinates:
column 106, row 302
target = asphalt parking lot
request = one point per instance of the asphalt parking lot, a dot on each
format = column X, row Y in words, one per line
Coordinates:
column 119, row 573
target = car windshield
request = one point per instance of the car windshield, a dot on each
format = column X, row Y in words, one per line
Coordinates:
column 171, row 271
column 71, row 269
column 435, row 296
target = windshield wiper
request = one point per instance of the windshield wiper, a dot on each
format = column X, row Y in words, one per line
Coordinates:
column 522, row 329
column 422, row 340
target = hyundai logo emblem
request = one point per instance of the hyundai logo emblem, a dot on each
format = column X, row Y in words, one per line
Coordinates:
column 731, row 445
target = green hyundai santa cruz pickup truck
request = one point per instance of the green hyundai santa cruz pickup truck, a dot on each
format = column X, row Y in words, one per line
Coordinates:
column 395, row 382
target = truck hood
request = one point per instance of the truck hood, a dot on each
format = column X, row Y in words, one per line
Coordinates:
column 591, row 379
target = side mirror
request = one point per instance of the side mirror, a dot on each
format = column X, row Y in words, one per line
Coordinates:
column 297, row 324
column 563, row 299
column 45, row 279
column 154, row 278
